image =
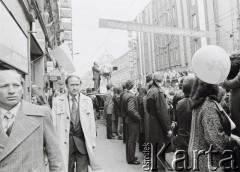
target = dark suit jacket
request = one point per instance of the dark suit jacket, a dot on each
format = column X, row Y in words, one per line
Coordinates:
column 130, row 107
column 121, row 104
column 183, row 118
column 32, row 135
column 96, row 72
column 116, row 105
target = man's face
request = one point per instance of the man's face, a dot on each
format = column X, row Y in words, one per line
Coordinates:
column 34, row 88
column 34, row 100
column 11, row 89
column 73, row 86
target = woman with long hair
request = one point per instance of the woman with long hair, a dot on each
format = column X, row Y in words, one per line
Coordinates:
column 210, row 128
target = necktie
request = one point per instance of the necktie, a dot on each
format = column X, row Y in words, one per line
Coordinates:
column 74, row 110
column 7, row 122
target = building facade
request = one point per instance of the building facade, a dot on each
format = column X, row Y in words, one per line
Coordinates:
column 29, row 31
column 172, row 54
column 65, row 7
column 126, row 68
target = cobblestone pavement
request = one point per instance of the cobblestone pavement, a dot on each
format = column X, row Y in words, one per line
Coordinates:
column 111, row 154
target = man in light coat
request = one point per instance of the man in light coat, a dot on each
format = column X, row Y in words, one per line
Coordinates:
column 108, row 110
column 74, row 121
column 26, row 130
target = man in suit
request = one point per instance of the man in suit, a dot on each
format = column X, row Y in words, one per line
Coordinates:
column 26, row 130
column 159, row 121
column 108, row 111
column 123, row 115
column 132, row 119
column 96, row 76
column 40, row 99
column 74, row 120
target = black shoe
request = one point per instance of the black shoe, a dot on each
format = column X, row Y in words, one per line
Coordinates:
column 111, row 138
column 135, row 162
column 120, row 138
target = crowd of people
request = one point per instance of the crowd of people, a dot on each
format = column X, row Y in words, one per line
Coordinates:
column 195, row 116
column 197, row 121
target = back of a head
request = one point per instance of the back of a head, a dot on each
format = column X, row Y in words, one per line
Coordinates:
column 235, row 65
column 124, row 86
column 187, row 84
column 119, row 90
column 129, row 84
column 158, row 76
column 109, row 86
column 89, row 90
column 148, row 78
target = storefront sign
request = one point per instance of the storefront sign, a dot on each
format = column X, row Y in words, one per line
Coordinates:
column 53, row 78
column 50, row 67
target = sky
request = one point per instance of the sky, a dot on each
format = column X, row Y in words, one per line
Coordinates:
column 90, row 41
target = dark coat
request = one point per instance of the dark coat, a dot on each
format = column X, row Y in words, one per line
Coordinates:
column 116, row 105
column 121, row 104
column 159, row 121
column 130, row 107
column 96, row 72
column 183, row 118
column 234, row 85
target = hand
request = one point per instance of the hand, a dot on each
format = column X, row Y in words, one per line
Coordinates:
column 174, row 124
column 169, row 133
column 236, row 138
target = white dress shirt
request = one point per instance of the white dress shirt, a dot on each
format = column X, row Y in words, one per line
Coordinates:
column 13, row 111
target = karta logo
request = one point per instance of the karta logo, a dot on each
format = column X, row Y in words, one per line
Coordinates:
column 184, row 160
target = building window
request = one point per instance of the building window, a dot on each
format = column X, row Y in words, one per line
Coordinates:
column 174, row 15
column 194, row 21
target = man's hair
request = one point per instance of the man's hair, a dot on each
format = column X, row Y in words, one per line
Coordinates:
column 15, row 71
column 148, row 78
column 109, row 86
column 158, row 77
column 187, row 84
column 129, row 84
column 72, row 76
column 124, row 86
column 89, row 90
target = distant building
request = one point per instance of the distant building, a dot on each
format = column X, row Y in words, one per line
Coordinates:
column 173, row 53
column 126, row 66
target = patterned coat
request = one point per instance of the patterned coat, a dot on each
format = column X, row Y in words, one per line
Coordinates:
column 208, row 129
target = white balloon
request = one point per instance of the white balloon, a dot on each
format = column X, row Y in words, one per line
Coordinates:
column 211, row 64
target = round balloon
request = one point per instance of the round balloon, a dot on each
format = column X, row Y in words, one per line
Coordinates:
column 211, row 64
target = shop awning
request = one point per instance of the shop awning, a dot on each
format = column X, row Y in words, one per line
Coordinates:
column 62, row 55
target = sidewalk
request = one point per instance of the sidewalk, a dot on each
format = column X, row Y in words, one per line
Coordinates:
column 111, row 154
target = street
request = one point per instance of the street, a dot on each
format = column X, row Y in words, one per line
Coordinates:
column 111, row 154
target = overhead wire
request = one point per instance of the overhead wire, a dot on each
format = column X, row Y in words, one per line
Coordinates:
column 108, row 36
